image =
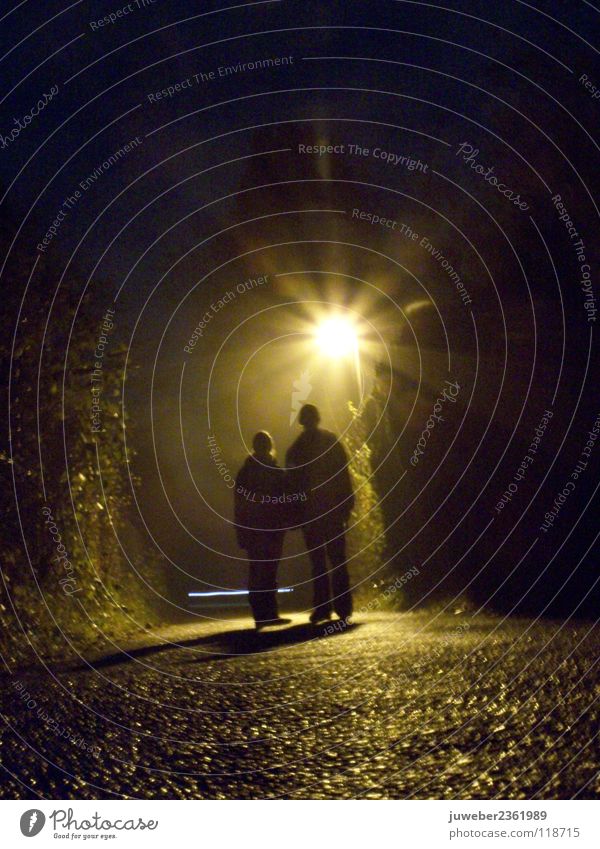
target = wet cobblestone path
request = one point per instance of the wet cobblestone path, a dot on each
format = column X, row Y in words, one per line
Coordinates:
column 397, row 706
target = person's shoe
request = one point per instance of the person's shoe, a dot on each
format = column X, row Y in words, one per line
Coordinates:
column 319, row 616
column 267, row 623
column 345, row 617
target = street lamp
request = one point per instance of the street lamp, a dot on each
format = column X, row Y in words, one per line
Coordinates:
column 337, row 338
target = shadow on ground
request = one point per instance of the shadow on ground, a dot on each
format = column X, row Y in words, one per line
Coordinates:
column 228, row 645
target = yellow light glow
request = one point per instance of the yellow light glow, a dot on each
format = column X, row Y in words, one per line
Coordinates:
column 337, row 337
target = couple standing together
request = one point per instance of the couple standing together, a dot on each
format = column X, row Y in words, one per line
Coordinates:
column 314, row 493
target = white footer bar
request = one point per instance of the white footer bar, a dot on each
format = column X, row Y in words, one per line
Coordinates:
column 290, row 824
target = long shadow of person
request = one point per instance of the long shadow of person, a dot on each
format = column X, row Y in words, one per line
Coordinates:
column 227, row 645
column 244, row 642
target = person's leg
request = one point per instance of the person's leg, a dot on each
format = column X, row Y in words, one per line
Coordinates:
column 273, row 551
column 256, row 594
column 258, row 580
column 340, row 582
column 315, row 543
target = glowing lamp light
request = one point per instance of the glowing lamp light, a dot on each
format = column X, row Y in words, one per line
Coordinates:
column 336, row 337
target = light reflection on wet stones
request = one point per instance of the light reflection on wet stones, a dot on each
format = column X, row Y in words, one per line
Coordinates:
column 372, row 713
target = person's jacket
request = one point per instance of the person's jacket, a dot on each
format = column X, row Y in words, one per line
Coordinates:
column 317, row 464
column 259, row 499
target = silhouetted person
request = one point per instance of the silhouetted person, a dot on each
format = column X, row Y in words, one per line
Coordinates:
column 259, row 488
column 318, row 465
